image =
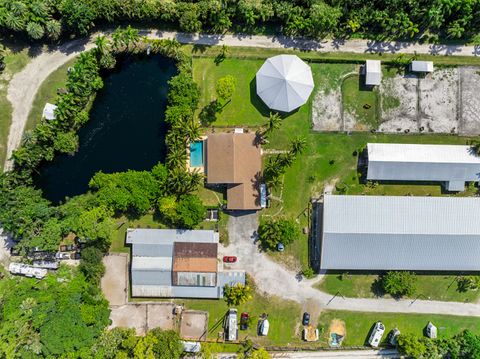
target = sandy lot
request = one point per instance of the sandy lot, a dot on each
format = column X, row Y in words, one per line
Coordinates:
column 194, row 324
column 160, row 316
column 130, row 316
column 470, row 100
column 445, row 101
column 438, row 95
column 326, row 111
column 114, row 282
column 403, row 117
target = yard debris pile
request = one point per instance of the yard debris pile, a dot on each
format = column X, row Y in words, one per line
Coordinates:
column 336, row 333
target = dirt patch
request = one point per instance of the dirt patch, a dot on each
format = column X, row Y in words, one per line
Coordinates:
column 404, row 116
column 470, row 100
column 130, row 316
column 337, row 326
column 194, row 325
column 161, row 316
column 114, row 282
column 438, row 95
column 326, row 111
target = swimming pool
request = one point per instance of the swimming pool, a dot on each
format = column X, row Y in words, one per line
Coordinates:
column 196, row 154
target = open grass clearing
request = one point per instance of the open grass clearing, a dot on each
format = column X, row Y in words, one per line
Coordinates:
column 435, row 287
column 359, row 324
column 47, row 93
column 15, row 61
column 360, row 104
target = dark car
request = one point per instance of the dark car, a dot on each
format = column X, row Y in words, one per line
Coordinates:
column 306, row 319
column 229, row 259
column 244, row 321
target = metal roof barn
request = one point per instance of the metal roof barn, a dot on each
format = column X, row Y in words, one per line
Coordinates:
column 373, row 72
column 400, row 233
column 284, row 82
column 452, row 164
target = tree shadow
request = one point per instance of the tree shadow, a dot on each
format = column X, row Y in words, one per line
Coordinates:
column 199, row 48
column 377, row 287
column 208, row 114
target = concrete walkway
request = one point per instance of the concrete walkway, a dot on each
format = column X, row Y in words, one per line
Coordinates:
column 272, row 278
column 333, row 354
column 25, row 84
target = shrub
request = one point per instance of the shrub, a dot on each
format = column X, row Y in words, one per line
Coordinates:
column 272, row 232
column 399, row 283
column 237, row 294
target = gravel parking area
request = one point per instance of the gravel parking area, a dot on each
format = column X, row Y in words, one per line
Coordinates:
column 327, row 111
column 194, row 325
column 160, row 316
column 470, row 100
column 114, row 282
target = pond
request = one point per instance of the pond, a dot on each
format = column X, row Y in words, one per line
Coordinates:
column 126, row 128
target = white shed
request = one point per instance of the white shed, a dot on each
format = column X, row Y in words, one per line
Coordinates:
column 431, row 330
column 421, row 66
column 49, row 111
column 373, row 73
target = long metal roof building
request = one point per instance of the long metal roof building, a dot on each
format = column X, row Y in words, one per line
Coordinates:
column 400, row 233
column 451, row 164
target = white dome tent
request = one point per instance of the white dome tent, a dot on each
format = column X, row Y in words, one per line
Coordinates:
column 284, row 82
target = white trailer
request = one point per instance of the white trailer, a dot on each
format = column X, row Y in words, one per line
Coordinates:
column 377, row 334
column 27, row 270
column 230, row 326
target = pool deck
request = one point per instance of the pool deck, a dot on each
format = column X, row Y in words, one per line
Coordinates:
column 199, row 169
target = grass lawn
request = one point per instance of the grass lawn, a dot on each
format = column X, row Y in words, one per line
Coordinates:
column 47, row 93
column 435, row 287
column 15, row 61
column 359, row 324
column 284, row 317
column 360, row 102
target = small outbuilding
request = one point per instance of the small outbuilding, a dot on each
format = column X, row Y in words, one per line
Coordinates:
column 421, row 66
column 49, row 111
column 373, row 72
column 431, row 330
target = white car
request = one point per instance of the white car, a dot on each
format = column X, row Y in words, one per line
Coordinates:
column 377, row 334
column 62, row 255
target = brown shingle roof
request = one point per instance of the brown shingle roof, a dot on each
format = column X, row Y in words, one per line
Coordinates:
column 208, row 265
column 195, row 250
column 235, row 159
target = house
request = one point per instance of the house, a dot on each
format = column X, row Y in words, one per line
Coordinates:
column 421, row 66
column 450, row 164
column 234, row 159
column 373, row 72
column 180, row 263
column 400, row 233
column 49, row 111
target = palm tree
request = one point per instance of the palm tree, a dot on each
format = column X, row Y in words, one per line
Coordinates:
column 117, row 38
column 130, row 36
column 297, row 146
column 274, row 122
column 28, row 138
column 192, row 130
column 54, row 29
column 102, row 45
column 171, row 46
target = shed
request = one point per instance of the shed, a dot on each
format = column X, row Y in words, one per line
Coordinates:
column 450, row 164
column 49, row 111
column 400, row 233
column 373, row 72
column 431, row 330
column 421, row 66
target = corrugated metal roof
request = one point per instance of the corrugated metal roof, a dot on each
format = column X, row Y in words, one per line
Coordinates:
column 416, row 233
column 195, row 250
column 152, row 263
column 152, row 250
column 422, row 66
column 175, row 292
column 151, row 277
column 407, row 162
column 168, row 236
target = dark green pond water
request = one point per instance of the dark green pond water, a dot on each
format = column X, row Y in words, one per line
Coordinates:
column 126, row 128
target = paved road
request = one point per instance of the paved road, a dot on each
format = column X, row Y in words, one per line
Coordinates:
column 274, row 279
column 25, row 84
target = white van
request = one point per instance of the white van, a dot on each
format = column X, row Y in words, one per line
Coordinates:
column 377, row 334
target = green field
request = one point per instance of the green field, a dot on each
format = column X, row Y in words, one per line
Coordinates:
column 47, row 93
column 359, row 324
column 15, row 61
column 361, row 103
column 435, row 287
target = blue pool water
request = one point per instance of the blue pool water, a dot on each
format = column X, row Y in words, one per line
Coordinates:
column 196, row 154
